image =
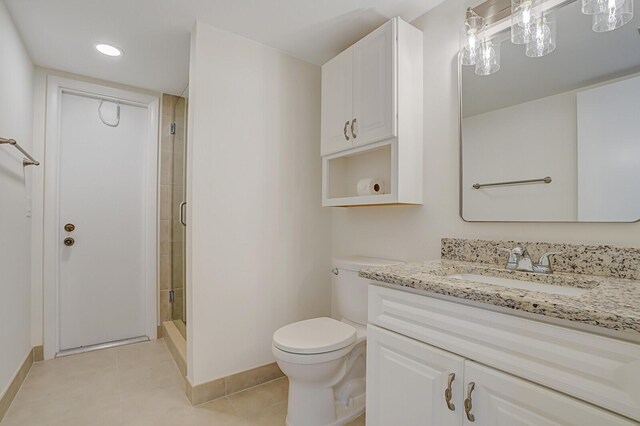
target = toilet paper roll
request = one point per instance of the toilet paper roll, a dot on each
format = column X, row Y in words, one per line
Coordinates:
column 370, row 186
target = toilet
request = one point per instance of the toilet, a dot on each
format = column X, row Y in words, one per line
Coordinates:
column 324, row 358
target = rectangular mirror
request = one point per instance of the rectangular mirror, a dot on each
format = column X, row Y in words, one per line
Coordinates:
column 567, row 124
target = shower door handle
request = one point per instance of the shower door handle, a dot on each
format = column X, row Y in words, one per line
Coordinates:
column 182, row 205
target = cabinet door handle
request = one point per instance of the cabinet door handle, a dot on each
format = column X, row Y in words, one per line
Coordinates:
column 345, row 129
column 448, row 394
column 468, row 403
column 353, row 132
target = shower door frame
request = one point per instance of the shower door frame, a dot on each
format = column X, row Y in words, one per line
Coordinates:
column 56, row 86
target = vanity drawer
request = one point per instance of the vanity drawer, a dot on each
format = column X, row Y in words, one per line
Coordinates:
column 597, row 369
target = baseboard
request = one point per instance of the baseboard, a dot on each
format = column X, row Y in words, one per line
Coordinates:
column 234, row 383
column 38, row 353
column 16, row 382
column 176, row 344
column 218, row 388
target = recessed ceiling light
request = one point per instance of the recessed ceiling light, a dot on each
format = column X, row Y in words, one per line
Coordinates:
column 107, row 49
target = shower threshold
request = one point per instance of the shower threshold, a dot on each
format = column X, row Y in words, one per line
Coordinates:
column 101, row 346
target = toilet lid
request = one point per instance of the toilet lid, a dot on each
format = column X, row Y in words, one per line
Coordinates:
column 314, row 336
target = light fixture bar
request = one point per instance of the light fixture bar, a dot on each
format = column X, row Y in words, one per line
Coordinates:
column 492, row 10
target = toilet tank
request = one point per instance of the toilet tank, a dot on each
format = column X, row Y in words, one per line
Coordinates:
column 351, row 290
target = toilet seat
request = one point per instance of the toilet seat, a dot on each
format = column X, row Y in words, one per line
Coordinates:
column 311, row 359
column 314, row 336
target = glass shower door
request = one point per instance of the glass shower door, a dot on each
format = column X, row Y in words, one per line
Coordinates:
column 178, row 224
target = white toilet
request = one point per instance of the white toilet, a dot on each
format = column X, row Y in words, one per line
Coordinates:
column 325, row 359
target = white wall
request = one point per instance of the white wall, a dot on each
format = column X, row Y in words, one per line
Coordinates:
column 258, row 240
column 525, row 141
column 16, row 114
column 414, row 233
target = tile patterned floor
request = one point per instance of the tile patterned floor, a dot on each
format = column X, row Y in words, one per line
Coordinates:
column 135, row 385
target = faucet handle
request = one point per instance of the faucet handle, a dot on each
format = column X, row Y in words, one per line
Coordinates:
column 544, row 264
column 544, row 259
column 514, row 253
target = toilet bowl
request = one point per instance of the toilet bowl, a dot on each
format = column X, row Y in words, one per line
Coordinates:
column 325, row 359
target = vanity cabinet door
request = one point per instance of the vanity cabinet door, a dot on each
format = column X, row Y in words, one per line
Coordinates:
column 336, row 104
column 374, row 89
column 407, row 379
column 502, row 399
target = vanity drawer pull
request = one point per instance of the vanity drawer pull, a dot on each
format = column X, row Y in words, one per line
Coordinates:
column 468, row 403
column 448, row 394
column 345, row 130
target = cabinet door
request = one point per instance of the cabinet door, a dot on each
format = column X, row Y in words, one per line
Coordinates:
column 406, row 382
column 336, row 104
column 374, row 89
column 501, row 399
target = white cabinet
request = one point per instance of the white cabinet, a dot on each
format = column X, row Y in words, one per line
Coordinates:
column 406, row 382
column 501, row 399
column 358, row 92
column 336, row 104
column 362, row 133
column 524, row 372
column 374, row 93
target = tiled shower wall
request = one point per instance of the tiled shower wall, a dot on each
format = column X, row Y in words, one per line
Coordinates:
column 171, row 194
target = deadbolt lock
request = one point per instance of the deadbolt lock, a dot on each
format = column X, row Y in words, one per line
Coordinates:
column 69, row 227
column 69, row 241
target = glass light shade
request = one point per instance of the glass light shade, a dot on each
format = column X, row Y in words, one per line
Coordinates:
column 543, row 39
column 591, row 7
column 524, row 14
column 615, row 16
column 488, row 59
column 471, row 36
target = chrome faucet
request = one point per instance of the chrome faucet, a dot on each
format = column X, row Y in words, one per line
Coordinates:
column 520, row 260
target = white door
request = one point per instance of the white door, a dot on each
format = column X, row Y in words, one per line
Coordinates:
column 336, row 104
column 407, row 380
column 101, row 192
column 374, row 91
column 499, row 399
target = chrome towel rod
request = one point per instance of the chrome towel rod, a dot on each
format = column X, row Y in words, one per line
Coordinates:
column 512, row 182
column 29, row 161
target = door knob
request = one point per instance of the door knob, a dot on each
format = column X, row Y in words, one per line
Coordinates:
column 69, row 241
column 69, row 227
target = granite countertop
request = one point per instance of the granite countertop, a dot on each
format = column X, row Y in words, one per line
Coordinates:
column 611, row 303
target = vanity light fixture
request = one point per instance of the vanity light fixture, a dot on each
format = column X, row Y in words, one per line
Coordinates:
column 612, row 14
column 475, row 49
column 525, row 15
column 471, row 35
column 530, row 26
column 488, row 60
column 108, row 50
column 543, row 40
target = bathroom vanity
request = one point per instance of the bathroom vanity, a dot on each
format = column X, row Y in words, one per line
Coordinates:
column 455, row 341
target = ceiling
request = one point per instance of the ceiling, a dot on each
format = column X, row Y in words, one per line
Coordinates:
column 582, row 57
column 154, row 34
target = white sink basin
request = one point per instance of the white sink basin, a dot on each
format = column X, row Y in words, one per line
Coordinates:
column 522, row 285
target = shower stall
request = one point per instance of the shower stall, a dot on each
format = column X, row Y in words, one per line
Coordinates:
column 172, row 210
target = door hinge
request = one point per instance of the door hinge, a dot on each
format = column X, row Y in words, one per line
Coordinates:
column 173, row 128
column 172, row 296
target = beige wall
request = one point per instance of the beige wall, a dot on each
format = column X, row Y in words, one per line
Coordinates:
column 258, row 252
column 413, row 233
column 16, row 95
